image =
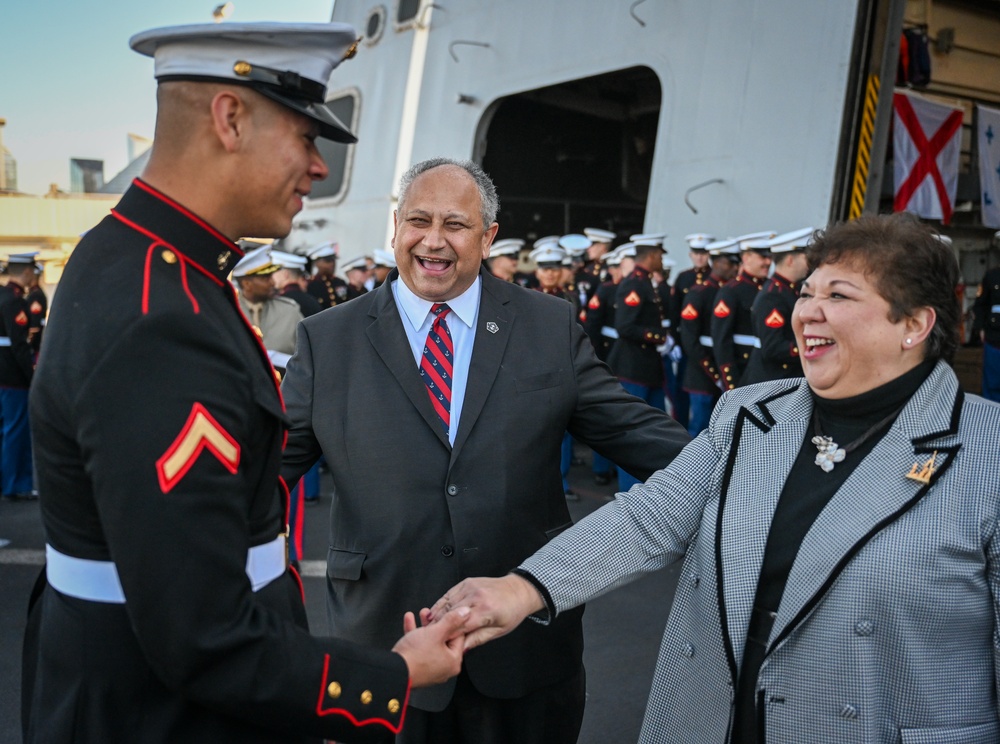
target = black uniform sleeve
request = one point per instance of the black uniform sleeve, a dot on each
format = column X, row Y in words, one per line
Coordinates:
column 697, row 353
column 772, row 320
column 173, row 501
column 596, row 314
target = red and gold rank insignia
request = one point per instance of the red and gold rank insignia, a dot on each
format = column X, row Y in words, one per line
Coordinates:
column 689, row 313
column 201, row 431
column 21, row 318
column 775, row 319
column 721, row 310
column 594, row 303
column 633, row 299
column 36, row 307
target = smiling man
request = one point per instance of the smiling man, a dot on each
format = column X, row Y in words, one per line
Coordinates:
column 441, row 411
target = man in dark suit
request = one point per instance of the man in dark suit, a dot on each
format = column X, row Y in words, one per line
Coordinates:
column 468, row 383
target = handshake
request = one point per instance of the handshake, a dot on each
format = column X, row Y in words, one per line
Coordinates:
column 471, row 613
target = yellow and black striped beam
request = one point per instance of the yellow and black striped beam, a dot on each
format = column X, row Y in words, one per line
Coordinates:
column 867, row 133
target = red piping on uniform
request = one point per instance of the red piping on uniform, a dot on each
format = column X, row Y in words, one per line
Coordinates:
column 145, row 278
column 153, row 236
column 286, row 494
column 347, row 713
column 298, row 580
column 190, row 215
column 187, row 289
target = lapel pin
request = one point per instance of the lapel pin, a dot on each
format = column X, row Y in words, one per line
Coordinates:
column 492, row 327
column 223, row 259
column 923, row 473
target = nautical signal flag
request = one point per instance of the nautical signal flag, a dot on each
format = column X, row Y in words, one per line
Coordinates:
column 926, row 143
column 988, row 126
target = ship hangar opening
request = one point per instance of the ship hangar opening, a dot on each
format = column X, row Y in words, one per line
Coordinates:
column 573, row 155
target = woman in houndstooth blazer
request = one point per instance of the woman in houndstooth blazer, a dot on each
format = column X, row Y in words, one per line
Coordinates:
column 841, row 569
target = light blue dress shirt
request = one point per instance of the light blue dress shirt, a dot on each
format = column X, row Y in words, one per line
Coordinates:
column 417, row 321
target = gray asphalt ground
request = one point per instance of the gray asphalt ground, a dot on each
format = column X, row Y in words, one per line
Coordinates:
column 622, row 629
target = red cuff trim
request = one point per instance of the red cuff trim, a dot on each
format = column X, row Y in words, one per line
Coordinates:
column 320, row 711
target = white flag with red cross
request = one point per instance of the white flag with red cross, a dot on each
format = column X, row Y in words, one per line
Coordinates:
column 926, row 141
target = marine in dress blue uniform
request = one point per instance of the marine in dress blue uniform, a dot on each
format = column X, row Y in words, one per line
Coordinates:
column 639, row 318
column 328, row 288
column 732, row 325
column 702, row 379
column 17, row 364
column 168, row 612
column 777, row 355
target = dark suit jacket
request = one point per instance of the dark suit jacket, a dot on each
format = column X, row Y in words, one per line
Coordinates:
column 411, row 515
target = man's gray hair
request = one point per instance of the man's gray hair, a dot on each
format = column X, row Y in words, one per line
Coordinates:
column 488, row 199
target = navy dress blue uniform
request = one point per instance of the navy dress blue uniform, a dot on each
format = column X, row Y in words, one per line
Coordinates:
column 38, row 311
column 732, row 327
column 777, row 357
column 987, row 323
column 159, row 434
column 17, row 364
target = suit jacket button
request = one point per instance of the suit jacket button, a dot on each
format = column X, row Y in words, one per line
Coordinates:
column 452, row 490
column 447, row 551
column 864, row 627
column 849, row 712
column 688, row 650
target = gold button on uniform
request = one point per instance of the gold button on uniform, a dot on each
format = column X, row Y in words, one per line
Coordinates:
column 333, row 689
column 366, row 697
column 393, row 706
column 169, row 257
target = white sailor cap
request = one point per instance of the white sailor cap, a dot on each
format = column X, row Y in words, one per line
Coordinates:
column 698, row 241
column 256, row 262
column 668, row 262
column 796, row 240
column 597, row 235
column 288, row 260
column 385, row 259
column 944, row 239
column 726, row 248
column 361, row 262
column 575, row 244
column 647, row 238
column 548, row 255
column 754, row 241
column 506, row 247
column 329, row 249
column 626, row 250
column 25, row 259
column 545, row 241
column 288, row 62
column 613, row 258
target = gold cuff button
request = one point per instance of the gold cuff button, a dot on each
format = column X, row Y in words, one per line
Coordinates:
column 366, row 697
column 333, row 690
column 393, row 706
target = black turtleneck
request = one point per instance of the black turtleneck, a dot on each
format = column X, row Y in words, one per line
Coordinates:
column 806, row 491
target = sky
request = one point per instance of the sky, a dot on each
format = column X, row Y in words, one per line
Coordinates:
column 70, row 86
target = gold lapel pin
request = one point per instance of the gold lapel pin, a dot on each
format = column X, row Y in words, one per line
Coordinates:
column 223, row 259
column 923, row 473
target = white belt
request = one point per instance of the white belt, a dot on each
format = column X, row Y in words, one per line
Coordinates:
column 97, row 581
column 742, row 340
column 4, row 340
column 609, row 332
column 705, row 341
column 995, row 309
column 665, row 322
column 278, row 358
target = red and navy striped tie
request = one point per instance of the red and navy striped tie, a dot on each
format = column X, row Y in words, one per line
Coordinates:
column 436, row 364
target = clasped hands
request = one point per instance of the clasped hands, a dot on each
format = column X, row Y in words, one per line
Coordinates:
column 471, row 613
